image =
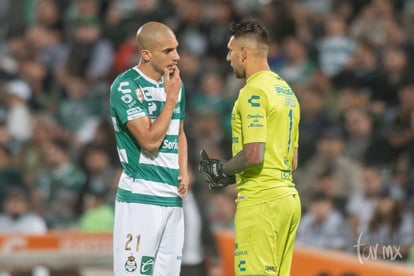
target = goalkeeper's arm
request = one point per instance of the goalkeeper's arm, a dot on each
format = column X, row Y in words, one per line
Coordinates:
column 219, row 174
column 251, row 154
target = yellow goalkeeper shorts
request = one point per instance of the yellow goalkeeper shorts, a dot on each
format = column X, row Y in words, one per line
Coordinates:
column 265, row 235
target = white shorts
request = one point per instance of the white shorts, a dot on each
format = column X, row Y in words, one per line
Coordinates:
column 148, row 239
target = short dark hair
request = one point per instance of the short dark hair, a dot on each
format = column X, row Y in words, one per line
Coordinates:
column 250, row 28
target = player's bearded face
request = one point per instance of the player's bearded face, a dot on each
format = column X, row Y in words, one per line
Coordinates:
column 234, row 58
column 238, row 68
column 240, row 72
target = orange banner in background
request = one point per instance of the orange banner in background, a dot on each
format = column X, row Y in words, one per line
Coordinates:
column 59, row 241
column 315, row 262
column 306, row 261
column 225, row 243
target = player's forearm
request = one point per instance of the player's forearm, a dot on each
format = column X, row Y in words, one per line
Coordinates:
column 183, row 153
column 252, row 154
column 237, row 164
column 295, row 159
column 158, row 129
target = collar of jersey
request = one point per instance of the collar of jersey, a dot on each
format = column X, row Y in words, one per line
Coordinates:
column 148, row 78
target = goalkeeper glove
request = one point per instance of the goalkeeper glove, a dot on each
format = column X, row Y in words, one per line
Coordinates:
column 212, row 172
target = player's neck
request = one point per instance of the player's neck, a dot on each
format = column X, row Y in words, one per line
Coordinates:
column 256, row 66
column 150, row 72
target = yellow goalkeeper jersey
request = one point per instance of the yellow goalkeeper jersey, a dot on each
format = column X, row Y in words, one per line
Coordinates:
column 266, row 110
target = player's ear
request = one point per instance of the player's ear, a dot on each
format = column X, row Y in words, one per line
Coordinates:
column 146, row 55
column 243, row 52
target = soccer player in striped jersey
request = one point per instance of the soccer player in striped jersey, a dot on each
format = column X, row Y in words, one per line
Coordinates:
column 265, row 120
column 147, row 107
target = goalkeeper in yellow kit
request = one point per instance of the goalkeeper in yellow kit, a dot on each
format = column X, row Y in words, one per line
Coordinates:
column 265, row 120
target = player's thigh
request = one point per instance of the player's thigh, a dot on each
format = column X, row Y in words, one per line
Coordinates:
column 137, row 233
column 292, row 207
column 265, row 236
column 169, row 255
column 255, row 250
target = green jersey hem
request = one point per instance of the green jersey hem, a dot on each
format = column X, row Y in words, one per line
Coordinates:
column 129, row 197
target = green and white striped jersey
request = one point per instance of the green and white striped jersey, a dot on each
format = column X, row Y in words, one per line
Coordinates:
column 133, row 95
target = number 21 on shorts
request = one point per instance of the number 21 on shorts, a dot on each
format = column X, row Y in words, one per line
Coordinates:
column 132, row 241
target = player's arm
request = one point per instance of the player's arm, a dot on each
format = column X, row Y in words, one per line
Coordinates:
column 252, row 109
column 295, row 159
column 251, row 154
column 253, row 112
column 295, row 138
column 150, row 135
column 183, row 178
column 218, row 174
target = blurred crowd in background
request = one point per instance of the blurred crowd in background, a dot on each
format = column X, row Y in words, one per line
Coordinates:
column 350, row 63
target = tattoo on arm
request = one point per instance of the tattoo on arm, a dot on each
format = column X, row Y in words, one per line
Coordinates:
column 235, row 165
column 252, row 154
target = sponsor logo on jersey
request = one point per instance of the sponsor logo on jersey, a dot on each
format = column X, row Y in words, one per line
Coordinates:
column 285, row 175
column 126, row 92
column 130, row 264
column 255, row 125
column 270, row 269
column 254, row 101
column 147, row 94
column 284, row 91
column 240, row 253
column 255, row 120
column 171, row 145
column 152, row 107
column 290, row 102
column 147, row 265
column 255, row 116
column 241, row 265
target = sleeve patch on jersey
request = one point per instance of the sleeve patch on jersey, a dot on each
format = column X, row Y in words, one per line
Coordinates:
column 134, row 113
column 140, row 96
